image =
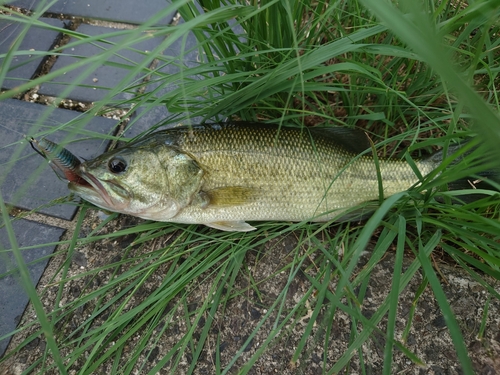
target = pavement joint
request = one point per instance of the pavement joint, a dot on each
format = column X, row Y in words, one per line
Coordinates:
column 41, row 218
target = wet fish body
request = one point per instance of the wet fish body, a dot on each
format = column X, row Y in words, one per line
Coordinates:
column 223, row 175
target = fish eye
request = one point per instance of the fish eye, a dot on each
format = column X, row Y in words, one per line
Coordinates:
column 117, row 165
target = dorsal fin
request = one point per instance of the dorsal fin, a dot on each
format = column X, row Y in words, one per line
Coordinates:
column 352, row 140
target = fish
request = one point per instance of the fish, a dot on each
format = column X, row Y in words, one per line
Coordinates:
column 225, row 175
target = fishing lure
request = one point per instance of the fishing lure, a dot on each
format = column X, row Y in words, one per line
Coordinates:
column 64, row 163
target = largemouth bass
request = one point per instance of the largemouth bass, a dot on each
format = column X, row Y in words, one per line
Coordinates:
column 223, row 175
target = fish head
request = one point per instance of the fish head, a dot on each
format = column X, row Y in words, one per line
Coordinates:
column 152, row 182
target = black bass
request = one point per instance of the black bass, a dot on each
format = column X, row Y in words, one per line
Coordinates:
column 223, row 175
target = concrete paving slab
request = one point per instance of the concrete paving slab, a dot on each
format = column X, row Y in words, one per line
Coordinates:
column 17, row 184
column 13, row 298
column 96, row 85
column 127, row 11
column 23, row 67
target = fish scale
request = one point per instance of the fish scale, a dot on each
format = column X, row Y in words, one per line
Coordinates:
column 297, row 175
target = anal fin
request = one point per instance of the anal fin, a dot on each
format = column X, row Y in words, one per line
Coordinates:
column 231, row 226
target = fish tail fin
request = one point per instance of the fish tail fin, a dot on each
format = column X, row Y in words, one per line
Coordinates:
column 475, row 177
column 439, row 157
column 482, row 182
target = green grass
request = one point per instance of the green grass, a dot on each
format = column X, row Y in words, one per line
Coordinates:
column 415, row 77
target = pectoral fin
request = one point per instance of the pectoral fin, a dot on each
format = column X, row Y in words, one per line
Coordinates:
column 231, row 226
column 229, row 196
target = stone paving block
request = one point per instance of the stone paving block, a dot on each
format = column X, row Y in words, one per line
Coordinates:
column 18, row 186
column 23, row 67
column 158, row 115
column 13, row 298
column 127, row 11
column 182, row 54
column 104, row 77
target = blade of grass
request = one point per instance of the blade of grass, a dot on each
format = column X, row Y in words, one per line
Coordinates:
column 449, row 317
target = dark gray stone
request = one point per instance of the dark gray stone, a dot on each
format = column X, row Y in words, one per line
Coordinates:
column 167, row 106
column 26, row 180
column 163, row 89
column 13, row 298
column 37, row 39
column 95, row 85
column 127, row 11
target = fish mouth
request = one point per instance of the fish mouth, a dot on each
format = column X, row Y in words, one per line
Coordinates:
column 87, row 184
